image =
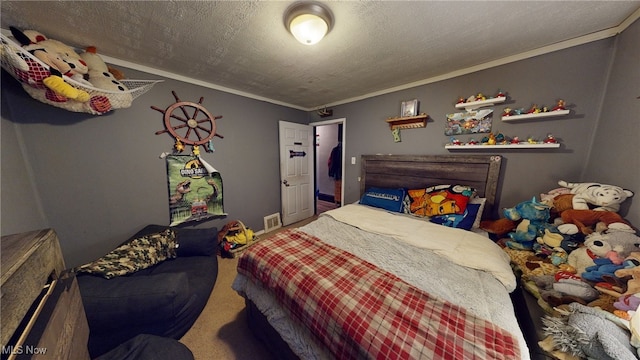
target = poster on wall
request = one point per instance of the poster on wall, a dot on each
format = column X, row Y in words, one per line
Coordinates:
column 195, row 189
column 469, row 122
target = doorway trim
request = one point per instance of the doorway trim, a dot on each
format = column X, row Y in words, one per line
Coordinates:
column 342, row 121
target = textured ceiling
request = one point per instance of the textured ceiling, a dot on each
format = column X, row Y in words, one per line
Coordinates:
column 243, row 47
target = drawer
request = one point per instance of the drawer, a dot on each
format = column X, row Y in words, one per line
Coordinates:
column 27, row 261
column 60, row 330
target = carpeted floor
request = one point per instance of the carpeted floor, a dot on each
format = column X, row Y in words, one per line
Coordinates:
column 221, row 331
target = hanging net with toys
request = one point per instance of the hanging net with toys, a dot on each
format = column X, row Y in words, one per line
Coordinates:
column 65, row 92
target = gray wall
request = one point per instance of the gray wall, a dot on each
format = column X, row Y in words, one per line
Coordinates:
column 21, row 209
column 578, row 75
column 614, row 153
column 100, row 179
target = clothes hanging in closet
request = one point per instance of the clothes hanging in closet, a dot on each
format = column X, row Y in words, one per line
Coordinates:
column 335, row 162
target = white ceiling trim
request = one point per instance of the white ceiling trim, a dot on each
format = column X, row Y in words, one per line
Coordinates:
column 522, row 56
column 170, row 75
column 529, row 54
column 525, row 55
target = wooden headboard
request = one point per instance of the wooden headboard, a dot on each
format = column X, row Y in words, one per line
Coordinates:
column 481, row 172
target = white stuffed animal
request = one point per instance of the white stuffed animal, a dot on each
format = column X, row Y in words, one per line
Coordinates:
column 117, row 95
column 99, row 75
column 604, row 197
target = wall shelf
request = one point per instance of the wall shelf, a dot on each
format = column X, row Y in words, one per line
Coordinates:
column 505, row 146
column 472, row 105
column 536, row 116
column 408, row 122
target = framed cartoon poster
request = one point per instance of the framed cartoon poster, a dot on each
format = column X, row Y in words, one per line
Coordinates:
column 195, row 189
column 470, row 122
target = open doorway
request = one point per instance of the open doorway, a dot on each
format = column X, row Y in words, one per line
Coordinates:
column 329, row 163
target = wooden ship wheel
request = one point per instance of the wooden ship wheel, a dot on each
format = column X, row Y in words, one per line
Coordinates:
column 189, row 123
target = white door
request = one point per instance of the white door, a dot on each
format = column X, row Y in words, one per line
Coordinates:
column 296, row 172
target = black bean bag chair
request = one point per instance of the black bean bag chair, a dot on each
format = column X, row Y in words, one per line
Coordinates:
column 149, row 347
column 164, row 299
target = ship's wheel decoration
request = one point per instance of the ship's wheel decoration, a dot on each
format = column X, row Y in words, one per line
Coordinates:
column 189, row 123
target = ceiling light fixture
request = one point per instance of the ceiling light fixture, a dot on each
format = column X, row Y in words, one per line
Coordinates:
column 308, row 22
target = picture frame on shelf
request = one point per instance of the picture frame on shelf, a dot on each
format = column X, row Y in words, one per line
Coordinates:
column 409, row 108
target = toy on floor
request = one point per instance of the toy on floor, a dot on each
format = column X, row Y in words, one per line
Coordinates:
column 534, row 219
column 631, row 274
column 603, row 197
column 564, row 288
column 590, row 333
column 613, row 244
column 583, row 221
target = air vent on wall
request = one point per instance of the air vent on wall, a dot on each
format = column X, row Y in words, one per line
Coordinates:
column 272, row 222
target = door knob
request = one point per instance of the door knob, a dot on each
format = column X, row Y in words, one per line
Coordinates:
column 285, row 182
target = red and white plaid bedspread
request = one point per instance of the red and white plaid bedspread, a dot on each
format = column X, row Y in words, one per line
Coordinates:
column 358, row 310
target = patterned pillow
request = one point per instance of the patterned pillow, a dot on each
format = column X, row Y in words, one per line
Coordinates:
column 461, row 221
column 388, row 199
column 137, row 254
column 440, row 200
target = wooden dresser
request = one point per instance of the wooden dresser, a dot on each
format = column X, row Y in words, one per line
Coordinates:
column 41, row 311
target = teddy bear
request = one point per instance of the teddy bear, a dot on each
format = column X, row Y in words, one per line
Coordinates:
column 61, row 60
column 603, row 197
column 534, row 219
column 581, row 258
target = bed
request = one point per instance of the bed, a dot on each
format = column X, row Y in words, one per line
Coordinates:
column 366, row 282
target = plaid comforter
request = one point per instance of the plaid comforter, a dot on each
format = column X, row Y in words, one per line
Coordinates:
column 358, row 310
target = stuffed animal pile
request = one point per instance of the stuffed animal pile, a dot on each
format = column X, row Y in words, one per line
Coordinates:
column 581, row 259
column 56, row 74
